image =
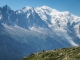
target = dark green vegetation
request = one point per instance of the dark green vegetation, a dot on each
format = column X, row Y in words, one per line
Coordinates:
column 60, row 54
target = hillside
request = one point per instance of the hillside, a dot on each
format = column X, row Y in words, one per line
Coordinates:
column 60, row 54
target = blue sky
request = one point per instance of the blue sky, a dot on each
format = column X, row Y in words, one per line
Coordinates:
column 72, row 6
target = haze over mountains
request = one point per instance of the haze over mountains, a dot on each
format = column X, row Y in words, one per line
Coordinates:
column 34, row 29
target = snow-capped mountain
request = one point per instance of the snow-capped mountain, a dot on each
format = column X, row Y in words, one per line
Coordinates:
column 60, row 22
column 33, row 29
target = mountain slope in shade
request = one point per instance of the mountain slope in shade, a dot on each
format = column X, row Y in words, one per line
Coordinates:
column 34, row 29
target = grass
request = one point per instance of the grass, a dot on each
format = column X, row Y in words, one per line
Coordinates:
column 60, row 54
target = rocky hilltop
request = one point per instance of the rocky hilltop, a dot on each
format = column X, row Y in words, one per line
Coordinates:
column 57, row 54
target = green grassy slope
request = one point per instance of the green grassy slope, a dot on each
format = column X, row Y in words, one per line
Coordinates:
column 60, row 54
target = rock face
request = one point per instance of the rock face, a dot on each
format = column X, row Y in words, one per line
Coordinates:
column 34, row 29
column 60, row 54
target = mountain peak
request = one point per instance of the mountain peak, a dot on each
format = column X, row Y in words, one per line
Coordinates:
column 6, row 7
column 45, row 7
column 26, row 8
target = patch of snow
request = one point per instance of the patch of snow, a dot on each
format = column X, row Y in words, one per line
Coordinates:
column 77, row 30
column 73, row 43
column 28, row 15
column 26, row 8
column 18, row 12
column 0, row 17
column 6, row 26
